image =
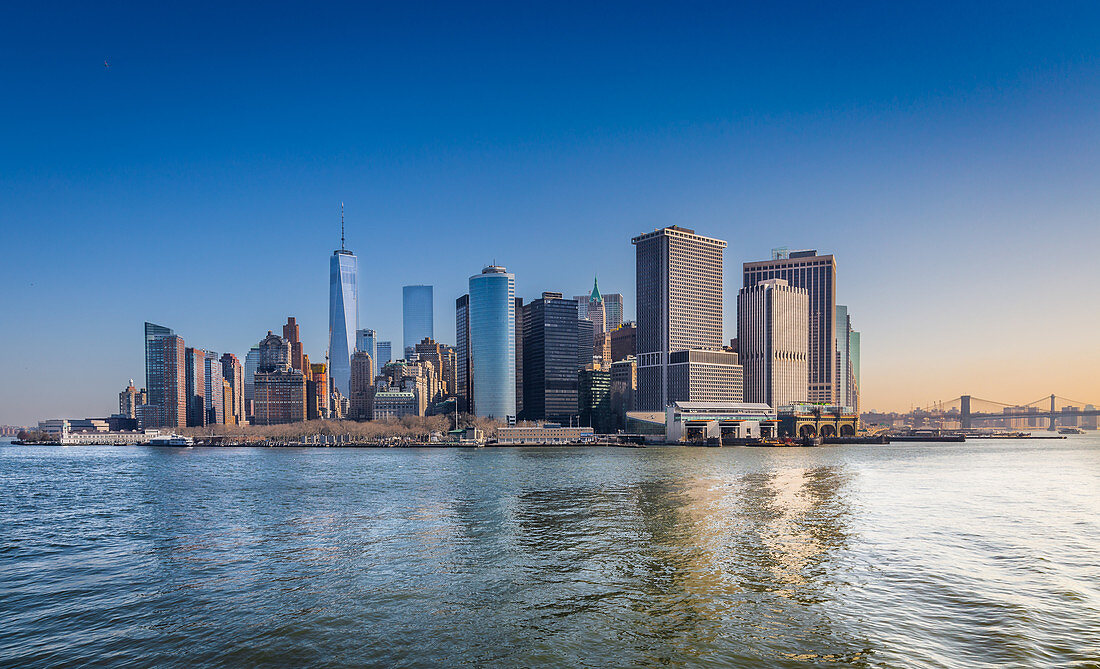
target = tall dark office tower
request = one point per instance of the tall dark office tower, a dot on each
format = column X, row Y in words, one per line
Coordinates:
column 679, row 293
column 464, row 383
column 165, row 378
column 362, row 386
column 417, row 316
column 550, row 338
column 585, row 342
column 816, row 274
column 385, row 354
column 519, row 356
column 196, row 386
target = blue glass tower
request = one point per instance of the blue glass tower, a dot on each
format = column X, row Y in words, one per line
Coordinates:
column 343, row 312
column 366, row 340
column 493, row 342
column 417, row 316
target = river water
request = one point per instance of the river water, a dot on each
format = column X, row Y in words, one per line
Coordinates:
column 911, row 555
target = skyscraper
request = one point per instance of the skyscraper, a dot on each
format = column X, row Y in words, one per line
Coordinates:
column 595, row 310
column 853, row 355
column 385, row 354
column 362, row 385
column 773, row 342
column 493, row 342
column 679, row 294
column 612, row 310
column 417, row 316
column 280, row 389
column 195, row 366
column 594, row 400
column 233, row 373
column 343, row 312
column 131, row 400
column 464, row 384
column 165, row 378
column 366, row 340
column 213, row 386
column 585, row 342
column 550, row 358
column 816, row 274
column 519, row 356
column 251, row 364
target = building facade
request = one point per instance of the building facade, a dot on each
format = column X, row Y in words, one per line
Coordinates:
column 233, row 373
column 773, row 342
column 612, row 310
column 417, row 316
column 463, row 371
column 493, row 342
column 280, row 390
column 594, row 400
column 165, row 378
column 367, row 340
column 705, row 376
column 550, row 358
column 624, row 341
column 213, row 381
column 343, row 315
column 817, row 275
column 130, row 401
column 362, row 386
column 679, row 304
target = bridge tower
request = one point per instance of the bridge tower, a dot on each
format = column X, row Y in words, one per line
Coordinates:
column 964, row 411
column 1052, row 428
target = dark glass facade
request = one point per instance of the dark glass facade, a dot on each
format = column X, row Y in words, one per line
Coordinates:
column 550, row 339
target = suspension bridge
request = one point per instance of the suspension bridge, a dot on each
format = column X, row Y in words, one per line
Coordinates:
column 972, row 410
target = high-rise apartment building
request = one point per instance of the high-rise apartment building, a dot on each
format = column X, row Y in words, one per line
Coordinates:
column 679, row 308
column 441, row 358
column 317, row 391
column 550, row 334
column 165, row 378
column 292, row 333
column 417, row 316
column 343, row 312
column 817, row 275
column 130, row 401
column 195, row 365
column 773, row 342
column 214, row 401
column 280, row 390
column 362, row 386
column 493, row 342
column 251, row 364
column 233, row 373
column 463, row 371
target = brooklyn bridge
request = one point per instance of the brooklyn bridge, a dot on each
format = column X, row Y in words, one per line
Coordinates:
column 973, row 411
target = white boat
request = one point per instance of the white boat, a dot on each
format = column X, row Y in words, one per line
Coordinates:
column 171, row 440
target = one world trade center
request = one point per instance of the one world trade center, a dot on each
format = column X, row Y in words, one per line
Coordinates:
column 343, row 312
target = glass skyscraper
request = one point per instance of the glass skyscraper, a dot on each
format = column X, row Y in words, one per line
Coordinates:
column 493, row 342
column 417, row 316
column 343, row 315
column 385, row 354
column 165, row 378
column 550, row 338
column 366, row 340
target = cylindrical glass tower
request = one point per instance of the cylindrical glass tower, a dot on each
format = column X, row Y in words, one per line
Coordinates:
column 493, row 342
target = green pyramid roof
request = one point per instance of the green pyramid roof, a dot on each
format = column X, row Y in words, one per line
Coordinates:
column 595, row 297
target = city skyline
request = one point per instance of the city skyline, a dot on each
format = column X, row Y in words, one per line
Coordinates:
column 946, row 175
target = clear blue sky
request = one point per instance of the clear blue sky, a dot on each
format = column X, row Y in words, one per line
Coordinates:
column 946, row 153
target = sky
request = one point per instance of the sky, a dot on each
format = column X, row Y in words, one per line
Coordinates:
column 948, row 155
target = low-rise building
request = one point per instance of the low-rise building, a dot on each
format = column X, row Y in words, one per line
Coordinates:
column 391, row 403
column 547, row 434
column 699, row 421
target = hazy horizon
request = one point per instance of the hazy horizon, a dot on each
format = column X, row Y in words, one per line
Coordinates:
column 948, row 157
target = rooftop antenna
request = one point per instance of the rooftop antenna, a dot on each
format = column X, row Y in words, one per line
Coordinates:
column 342, row 226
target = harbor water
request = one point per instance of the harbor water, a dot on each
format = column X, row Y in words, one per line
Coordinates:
column 984, row 553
